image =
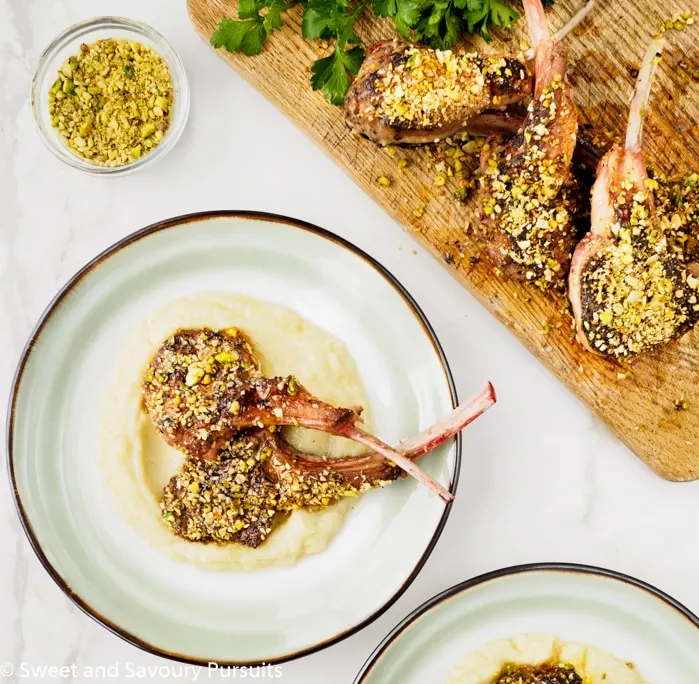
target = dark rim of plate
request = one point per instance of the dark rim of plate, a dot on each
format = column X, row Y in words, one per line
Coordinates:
column 56, row 303
column 563, row 568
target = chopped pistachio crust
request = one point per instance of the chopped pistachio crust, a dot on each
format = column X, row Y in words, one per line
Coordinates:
column 539, row 674
column 230, row 489
column 225, row 500
column 528, row 196
column 235, row 499
column 424, row 88
column 190, row 381
column 299, row 489
column 111, row 102
column 637, row 293
column 677, row 206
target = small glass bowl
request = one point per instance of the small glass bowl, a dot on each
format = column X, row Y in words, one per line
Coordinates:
column 68, row 44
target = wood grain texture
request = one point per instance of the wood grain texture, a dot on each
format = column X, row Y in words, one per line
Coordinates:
column 604, row 54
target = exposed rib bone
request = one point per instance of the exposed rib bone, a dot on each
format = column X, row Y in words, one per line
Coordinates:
column 568, row 27
column 639, row 103
column 536, row 19
column 279, row 408
column 371, row 467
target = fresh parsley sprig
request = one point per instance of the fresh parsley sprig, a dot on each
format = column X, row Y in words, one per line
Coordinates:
column 438, row 23
column 490, row 13
column 249, row 32
column 328, row 19
column 441, row 23
column 405, row 14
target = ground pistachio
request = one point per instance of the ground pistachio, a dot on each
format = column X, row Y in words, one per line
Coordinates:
column 111, row 103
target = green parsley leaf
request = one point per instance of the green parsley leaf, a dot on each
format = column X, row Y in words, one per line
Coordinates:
column 441, row 23
column 273, row 18
column 481, row 14
column 248, row 34
column 331, row 74
column 384, row 8
column 240, row 36
column 253, row 39
column 249, row 9
column 354, row 59
column 315, row 24
column 328, row 19
column 405, row 13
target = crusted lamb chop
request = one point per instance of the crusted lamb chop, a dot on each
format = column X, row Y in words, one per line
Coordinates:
column 407, row 94
column 258, row 477
column 630, row 291
column 527, row 193
column 203, row 386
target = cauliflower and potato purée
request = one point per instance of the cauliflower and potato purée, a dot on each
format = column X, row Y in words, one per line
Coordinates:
column 137, row 463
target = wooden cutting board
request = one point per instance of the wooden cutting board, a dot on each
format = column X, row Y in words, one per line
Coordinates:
column 638, row 401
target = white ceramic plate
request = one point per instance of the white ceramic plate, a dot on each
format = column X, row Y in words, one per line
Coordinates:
column 178, row 610
column 630, row 619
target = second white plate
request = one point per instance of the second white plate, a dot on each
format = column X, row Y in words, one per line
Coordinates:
column 632, row 620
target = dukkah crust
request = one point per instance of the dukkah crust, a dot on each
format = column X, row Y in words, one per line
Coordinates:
column 637, row 293
column 413, row 94
column 189, row 385
column 677, row 208
column 225, row 500
column 242, row 494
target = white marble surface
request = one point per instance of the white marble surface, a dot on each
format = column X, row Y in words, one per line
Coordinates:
column 542, row 479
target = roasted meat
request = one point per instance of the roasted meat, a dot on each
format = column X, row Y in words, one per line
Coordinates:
column 527, row 192
column 203, row 386
column 590, row 146
column 190, row 385
column 258, row 477
column 630, row 289
column 407, row 94
column 228, row 499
